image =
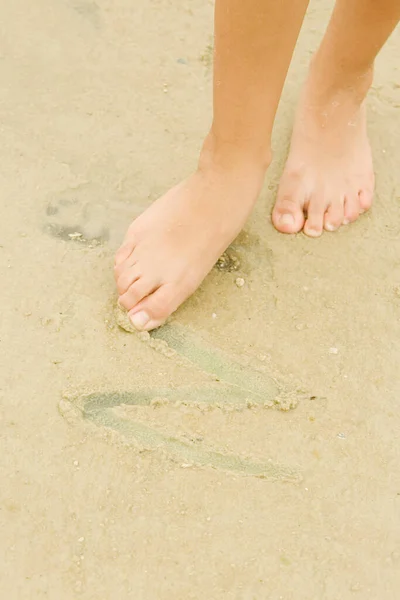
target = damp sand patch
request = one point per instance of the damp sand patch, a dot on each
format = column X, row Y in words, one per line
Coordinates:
column 229, row 385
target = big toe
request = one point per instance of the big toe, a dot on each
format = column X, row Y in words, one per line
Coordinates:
column 136, row 292
column 288, row 216
column 154, row 310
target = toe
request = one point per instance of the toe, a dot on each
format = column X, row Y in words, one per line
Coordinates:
column 287, row 215
column 127, row 264
column 125, row 250
column 314, row 224
column 155, row 309
column 136, row 292
column 365, row 200
column 127, row 277
column 351, row 209
column 334, row 216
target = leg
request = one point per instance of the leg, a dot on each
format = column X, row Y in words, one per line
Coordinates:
column 172, row 246
column 328, row 178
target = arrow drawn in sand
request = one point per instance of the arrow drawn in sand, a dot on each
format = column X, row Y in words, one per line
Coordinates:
column 230, row 384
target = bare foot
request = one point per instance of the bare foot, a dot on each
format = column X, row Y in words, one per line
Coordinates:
column 328, row 179
column 170, row 248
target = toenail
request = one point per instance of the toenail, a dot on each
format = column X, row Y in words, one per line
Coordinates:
column 140, row 319
column 286, row 219
column 346, row 221
column 330, row 227
column 311, row 232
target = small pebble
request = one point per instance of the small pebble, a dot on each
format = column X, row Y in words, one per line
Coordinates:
column 341, row 436
column 239, row 282
column 333, row 350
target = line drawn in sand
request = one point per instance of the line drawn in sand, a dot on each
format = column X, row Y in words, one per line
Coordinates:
column 230, row 385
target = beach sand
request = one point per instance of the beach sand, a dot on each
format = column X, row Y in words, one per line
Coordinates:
column 249, row 450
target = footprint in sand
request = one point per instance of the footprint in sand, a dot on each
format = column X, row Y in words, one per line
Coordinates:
column 229, row 384
column 81, row 214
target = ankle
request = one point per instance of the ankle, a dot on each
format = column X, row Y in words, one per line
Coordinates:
column 232, row 155
column 331, row 76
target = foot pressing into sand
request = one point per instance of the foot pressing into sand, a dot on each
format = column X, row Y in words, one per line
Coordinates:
column 172, row 246
column 328, row 179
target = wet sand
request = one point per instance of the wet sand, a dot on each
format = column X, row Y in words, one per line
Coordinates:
column 252, row 449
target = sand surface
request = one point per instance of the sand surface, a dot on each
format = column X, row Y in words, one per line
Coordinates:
column 250, row 450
